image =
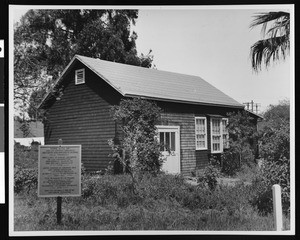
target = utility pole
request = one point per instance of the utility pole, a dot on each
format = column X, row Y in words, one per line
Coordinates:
column 250, row 106
column 247, row 105
column 257, row 105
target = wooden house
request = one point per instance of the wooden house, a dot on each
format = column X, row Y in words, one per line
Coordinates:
column 192, row 123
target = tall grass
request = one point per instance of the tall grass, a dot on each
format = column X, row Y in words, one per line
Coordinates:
column 162, row 203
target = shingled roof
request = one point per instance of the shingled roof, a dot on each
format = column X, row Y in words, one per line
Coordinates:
column 133, row 81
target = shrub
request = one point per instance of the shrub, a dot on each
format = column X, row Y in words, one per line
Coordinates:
column 248, row 172
column 109, row 189
column 272, row 173
column 243, row 138
column 275, row 142
column 164, row 202
column 25, row 179
column 25, row 157
column 230, row 162
column 210, row 175
column 88, row 186
column 275, row 150
column 138, row 151
column 262, row 196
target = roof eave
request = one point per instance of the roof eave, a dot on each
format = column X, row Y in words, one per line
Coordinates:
column 184, row 101
column 256, row 115
column 57, row 81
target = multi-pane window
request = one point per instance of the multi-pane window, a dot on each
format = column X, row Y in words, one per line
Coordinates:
column 79, row 76
column 225, row 134
column 219, row 135
column 168, row 141
column 200, row 133
column 216, row 135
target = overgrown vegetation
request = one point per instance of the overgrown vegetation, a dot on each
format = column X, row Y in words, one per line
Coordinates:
column 25, row 157
column 209, row 176
column 164, row 202
column 242, row 138
column 161, row 202
column 25, row 167
column 274, row 148
column 138, row 149
column 25, row 179
column 275, row 152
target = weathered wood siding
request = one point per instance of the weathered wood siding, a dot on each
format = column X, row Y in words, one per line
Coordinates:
column 82, row 116
column 183, row 115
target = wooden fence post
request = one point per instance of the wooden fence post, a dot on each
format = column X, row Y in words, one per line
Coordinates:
column 277, row 207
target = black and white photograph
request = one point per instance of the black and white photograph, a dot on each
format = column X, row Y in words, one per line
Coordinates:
column 151, row 120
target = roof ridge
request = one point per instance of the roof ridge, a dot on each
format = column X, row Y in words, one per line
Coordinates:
column 125, row 64
column 192, row 78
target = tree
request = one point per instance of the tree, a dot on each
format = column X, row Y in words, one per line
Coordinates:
column 242, row 138
column 275, row 132
column 46, row 40
column 275, row 151
column 279, row 114
column 242, row 132
column 137, row 149
column 276, row 44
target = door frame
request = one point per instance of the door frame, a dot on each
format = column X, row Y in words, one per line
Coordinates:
column 178, row 145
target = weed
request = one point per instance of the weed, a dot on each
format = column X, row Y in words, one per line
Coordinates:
column 162, row 202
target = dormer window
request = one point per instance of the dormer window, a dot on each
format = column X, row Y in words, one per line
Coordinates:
column 79, row 76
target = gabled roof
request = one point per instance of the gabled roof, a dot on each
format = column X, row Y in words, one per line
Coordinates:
column 133, row 81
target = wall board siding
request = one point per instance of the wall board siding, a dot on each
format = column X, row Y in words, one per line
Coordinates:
column 183, row 115
column 82, row 116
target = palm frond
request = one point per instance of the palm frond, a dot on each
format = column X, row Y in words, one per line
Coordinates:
column 263, row 51
column 280, row 28
column 261, row 18
column 279, row 19
column 276, row 44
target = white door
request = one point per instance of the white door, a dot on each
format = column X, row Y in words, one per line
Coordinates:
column 169, row 137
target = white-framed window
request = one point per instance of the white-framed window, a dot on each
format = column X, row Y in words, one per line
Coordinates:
column 79, row 76
column 200, row 133
column 219, row 135
column 216, row 140
column 225, row 134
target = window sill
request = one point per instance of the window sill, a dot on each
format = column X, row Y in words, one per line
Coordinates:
column 79, row 83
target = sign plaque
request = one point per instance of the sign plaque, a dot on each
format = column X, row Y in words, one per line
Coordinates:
column 59, row 171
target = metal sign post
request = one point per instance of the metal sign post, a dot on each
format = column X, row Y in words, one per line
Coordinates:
column 58, row 199
column 58, row 210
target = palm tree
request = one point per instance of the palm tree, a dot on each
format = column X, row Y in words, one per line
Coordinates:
column 276, row 44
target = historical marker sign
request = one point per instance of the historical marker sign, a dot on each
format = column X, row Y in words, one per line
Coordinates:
column 59, row 170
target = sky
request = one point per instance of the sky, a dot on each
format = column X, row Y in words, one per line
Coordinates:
column 214, row 44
